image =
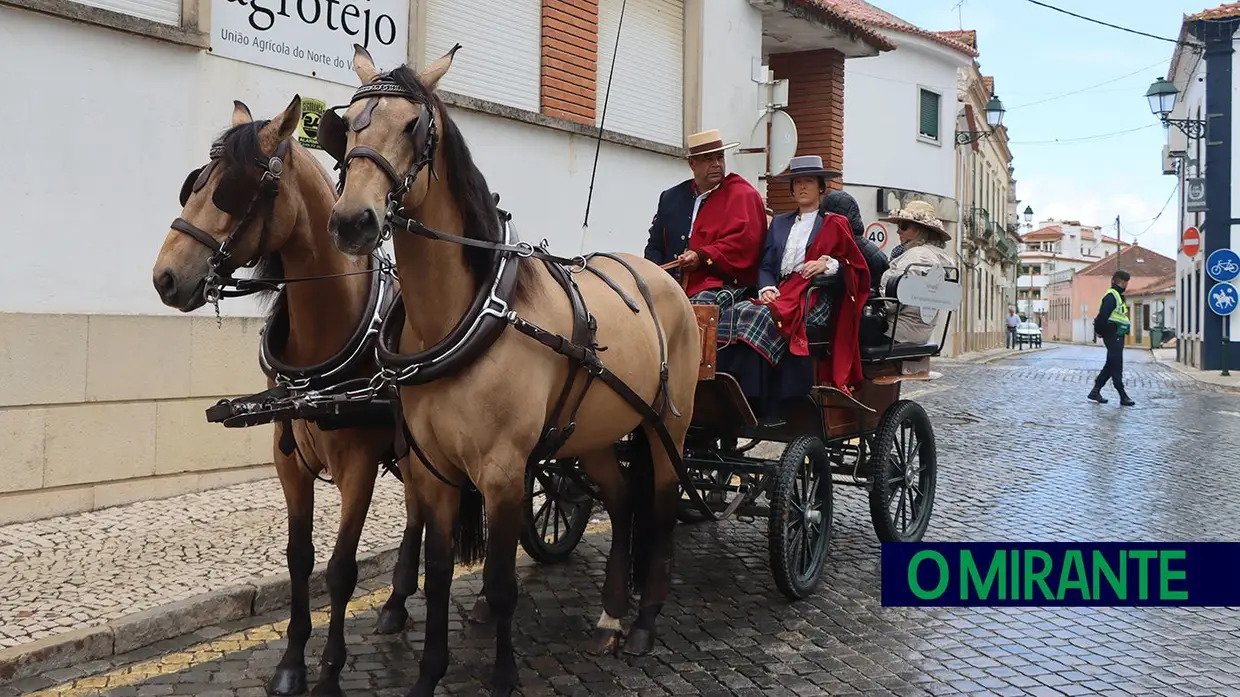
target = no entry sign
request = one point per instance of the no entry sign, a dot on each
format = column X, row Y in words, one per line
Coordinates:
column 1191, row 241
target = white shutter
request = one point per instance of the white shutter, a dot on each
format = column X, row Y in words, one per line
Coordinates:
column 162, row 11
column 500, row 54
column 647, row 89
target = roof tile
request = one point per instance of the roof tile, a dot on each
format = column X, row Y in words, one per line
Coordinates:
column 849, row 24
column 1225, row 11
column 869, row 15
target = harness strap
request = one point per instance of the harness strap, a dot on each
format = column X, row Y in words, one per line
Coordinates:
column 589, row 360
column 411, row 445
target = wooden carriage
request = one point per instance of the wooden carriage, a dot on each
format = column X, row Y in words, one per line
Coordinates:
column 831, row 438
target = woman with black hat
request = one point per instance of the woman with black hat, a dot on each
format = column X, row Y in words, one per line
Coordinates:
column 756, row 338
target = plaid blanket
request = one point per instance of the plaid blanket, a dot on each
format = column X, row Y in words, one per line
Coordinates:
column 723, row 297
column 753, row 324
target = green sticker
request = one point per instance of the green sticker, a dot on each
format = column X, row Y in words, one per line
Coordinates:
column 308, row 127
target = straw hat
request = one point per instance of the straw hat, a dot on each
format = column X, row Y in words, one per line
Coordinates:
column 707, row 142
column 922, row 213
column 805, row 166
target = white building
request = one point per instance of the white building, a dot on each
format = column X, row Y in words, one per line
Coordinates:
column 1051, row 253
column 111, row 102
column 899, row 117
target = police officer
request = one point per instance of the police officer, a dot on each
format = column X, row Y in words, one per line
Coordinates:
column 1113, row 324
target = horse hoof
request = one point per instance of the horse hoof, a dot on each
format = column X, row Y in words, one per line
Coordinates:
column 481, row 614
column 392, row 621
column 640, row 642
column 605, row 642
column 287, row 682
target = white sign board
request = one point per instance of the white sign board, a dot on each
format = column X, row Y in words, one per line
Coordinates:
column 311, row 37
column 931, row 291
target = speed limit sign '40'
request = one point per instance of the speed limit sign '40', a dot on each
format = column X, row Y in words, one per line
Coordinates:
column 877, row 233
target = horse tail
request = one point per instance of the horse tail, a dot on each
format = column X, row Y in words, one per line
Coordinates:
column 641, row 505
column 471, row 531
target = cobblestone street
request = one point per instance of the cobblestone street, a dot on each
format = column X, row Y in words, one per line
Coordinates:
column 1023, row 456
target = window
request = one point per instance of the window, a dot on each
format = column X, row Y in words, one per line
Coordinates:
column 647, row 89
column 510, row 76
column 162, row 11
column 928, row 126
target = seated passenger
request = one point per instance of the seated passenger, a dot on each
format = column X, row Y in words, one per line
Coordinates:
column 712, row 225
column 924, row 239
column 843, row 203
column 763, row 343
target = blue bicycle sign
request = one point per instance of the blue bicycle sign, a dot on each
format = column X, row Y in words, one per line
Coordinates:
column 1223, row 299
column 1223, row 265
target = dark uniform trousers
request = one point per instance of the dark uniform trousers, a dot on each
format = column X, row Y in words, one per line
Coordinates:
column 1113, row 369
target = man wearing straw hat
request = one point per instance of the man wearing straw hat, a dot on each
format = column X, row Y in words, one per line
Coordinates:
column 710, row 226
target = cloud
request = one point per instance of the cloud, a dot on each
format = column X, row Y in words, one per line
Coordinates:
column 1055, row 198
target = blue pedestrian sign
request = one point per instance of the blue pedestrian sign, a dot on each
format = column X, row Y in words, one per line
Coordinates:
column 1223, row 265
column 1223, row 299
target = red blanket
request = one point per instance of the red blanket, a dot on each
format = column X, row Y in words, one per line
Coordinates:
column 727, row 235
column 834, row 240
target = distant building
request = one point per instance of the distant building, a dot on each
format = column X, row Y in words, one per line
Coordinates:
column 1073, row 295
column 1050, row 254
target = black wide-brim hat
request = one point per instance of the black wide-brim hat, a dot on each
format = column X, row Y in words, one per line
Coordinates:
column 806, row 166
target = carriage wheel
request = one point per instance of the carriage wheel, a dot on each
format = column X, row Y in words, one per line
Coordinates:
column 557, row 512
column 904, row 473
column 799, row 534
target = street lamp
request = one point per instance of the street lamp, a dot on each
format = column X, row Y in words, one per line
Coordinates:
column 1028, row 215
column 994, row 119
column 1162, row 95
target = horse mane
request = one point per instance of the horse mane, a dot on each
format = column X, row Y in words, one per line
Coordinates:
column 479, row 212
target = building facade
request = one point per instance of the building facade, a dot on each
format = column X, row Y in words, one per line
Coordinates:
column 1050, row 254
column 988, row 244
column 1073, row 295
column 103, row 389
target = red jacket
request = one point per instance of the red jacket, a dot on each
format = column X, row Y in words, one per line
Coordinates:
column 727, row 235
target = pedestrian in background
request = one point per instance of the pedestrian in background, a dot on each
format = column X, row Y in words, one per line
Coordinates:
column 1112, row 324
column 1012, row 320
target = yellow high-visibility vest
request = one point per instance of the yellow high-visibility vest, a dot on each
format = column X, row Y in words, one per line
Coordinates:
column 1119, row 316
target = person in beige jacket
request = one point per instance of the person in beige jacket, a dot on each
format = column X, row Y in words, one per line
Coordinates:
column 924, row 239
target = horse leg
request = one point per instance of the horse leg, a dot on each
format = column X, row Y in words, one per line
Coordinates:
column 603, row 469
column 394, row 615
column 356, row 481
column 298, row 486
column 439, row 503
column 499, row 575
column 663, row 497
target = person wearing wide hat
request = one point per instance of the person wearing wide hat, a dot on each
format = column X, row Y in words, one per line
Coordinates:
column 710, row 225
column 924, row 238
column 763, row 342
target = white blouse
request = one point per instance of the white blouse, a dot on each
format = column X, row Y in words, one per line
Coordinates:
column 794, row 251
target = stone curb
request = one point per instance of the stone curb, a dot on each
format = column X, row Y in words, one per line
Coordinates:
column 1193, row 373
column 256, row 597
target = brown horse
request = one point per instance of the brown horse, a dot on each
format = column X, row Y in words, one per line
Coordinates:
column 263, row 200
column 479, row 401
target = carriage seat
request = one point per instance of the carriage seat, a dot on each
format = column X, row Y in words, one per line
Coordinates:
column 876, row 344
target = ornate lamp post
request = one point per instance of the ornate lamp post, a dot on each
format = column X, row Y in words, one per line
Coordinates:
column 1162, row 95
column 994, row 119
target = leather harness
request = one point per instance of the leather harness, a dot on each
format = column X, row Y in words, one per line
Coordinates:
column 491, row 311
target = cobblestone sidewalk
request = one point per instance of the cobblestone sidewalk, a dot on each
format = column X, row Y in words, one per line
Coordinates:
column 87, row 569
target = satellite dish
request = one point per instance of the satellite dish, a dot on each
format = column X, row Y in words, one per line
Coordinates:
column 778, row 150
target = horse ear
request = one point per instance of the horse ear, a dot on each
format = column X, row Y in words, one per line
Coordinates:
column 363, row 64
column 282, row 126
column 435, row 71
column 241, row 114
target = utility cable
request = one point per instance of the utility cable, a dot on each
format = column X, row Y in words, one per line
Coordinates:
column 1087, row 89
column 1105, row 24
column 1098, row 136
column 1164, row 210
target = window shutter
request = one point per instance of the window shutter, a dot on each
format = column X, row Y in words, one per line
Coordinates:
column 162, row 11
column 500, row 58
column 929, row 114
column 647, row 89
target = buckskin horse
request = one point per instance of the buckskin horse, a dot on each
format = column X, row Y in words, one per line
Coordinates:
column 480, row 402
column 264, row 201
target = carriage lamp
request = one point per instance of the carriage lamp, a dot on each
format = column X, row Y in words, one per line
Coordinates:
column 994, row 119
column 1162, row 95
column 1028, row 215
